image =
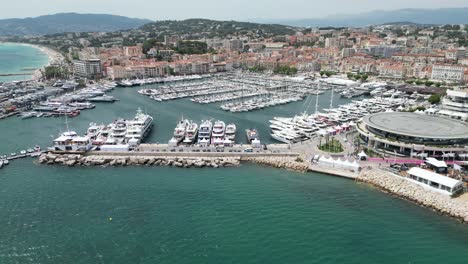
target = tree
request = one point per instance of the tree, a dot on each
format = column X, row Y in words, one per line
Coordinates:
column 428, row 83
column 364, row 77
column 148, row 44
column 434, row 99
column 55, row 72
column 286, row 70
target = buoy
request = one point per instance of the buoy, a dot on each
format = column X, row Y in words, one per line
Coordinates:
column 110, row 218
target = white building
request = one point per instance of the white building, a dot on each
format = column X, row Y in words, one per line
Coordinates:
column 435, row 181
column 455, row 104
column 448, row 72
column 91, row 69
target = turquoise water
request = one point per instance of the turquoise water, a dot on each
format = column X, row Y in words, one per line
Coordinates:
column 250, row 214
column 14, row 58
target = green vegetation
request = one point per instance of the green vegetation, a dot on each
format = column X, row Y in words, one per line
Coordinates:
column 428, row 83
column 434, row 99
column 327, row 73
column 286, row 70
column 418, row 108
column 256, row 69
column 332, row 146
column 299, row 159
column 55, row 72
column 362, row 77
column 200, row 28
column 149, row 44
column 191, row 47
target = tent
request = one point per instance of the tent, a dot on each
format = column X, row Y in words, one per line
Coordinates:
column 362, row 155
column 339, row 164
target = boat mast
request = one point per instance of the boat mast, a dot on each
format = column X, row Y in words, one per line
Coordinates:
column 316, row 102
column 331, row 99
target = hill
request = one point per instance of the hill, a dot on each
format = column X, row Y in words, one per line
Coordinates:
column 212, row 28
column 67, row 22
column 420, row 16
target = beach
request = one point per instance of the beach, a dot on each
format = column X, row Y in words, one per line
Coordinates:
column 54, row 57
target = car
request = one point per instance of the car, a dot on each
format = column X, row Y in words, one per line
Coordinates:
column 248, row 150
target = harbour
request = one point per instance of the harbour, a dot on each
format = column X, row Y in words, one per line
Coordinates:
column 240, row 177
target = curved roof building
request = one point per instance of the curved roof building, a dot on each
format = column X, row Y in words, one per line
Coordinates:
column 406, row 132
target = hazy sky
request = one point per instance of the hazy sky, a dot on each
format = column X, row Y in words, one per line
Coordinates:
column 215, row 9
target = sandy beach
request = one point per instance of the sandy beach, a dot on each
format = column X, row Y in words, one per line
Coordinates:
column 54, row 57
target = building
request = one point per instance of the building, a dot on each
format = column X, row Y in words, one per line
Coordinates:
column 411, row 134
column 445, row 72
column 455, row 104
column 133, row 51
column 232, row 44
column 435, row 181
column 90, row 69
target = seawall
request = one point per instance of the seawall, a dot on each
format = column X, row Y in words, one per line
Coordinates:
column 394, row 184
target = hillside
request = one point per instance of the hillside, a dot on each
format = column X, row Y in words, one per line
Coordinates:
column 212, row 28
column 67, row 22
column 420, row 16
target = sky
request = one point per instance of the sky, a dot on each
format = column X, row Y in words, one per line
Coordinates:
column 214, row 9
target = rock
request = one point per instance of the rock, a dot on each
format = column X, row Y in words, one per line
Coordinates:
column 71, row 163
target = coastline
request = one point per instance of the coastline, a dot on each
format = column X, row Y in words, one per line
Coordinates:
column 54, row 57
column 398, row 186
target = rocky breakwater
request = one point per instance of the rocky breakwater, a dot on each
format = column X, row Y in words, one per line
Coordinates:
column 134, row 160
column 291, row 163
column 455, row 207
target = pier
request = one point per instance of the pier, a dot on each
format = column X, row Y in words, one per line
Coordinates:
column 16, row 74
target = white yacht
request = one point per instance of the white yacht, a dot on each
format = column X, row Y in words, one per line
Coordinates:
column 204, row 133
column 71, row 142
column 139, row 127
column 180, row 129
column 118, row 132
column 231, row 131
column 94, row 130
column 218, row 133
column 191, row 133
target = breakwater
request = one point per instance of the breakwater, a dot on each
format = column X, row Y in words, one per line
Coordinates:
column 137, row 160
column 291, row 163
column 391, row 183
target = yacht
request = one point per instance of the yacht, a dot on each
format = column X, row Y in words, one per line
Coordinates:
column 191, row 133
column 204, row 132
column 231, row 131
column 94, row 130
column 104, row 98
column 118, row 132
column 82, row 106
column 251, row 134
column 139, row 127
column 180, row 129
column 218, row 133
column 71, row 142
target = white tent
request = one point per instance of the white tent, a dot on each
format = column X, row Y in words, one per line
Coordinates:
column 362, row 155
column 322, row 132
column 339, row 164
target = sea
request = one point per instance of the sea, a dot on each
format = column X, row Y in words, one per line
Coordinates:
column 20, row 59
column 249, row 214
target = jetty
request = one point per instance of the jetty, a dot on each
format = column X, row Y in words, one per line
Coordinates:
column 16, row 74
